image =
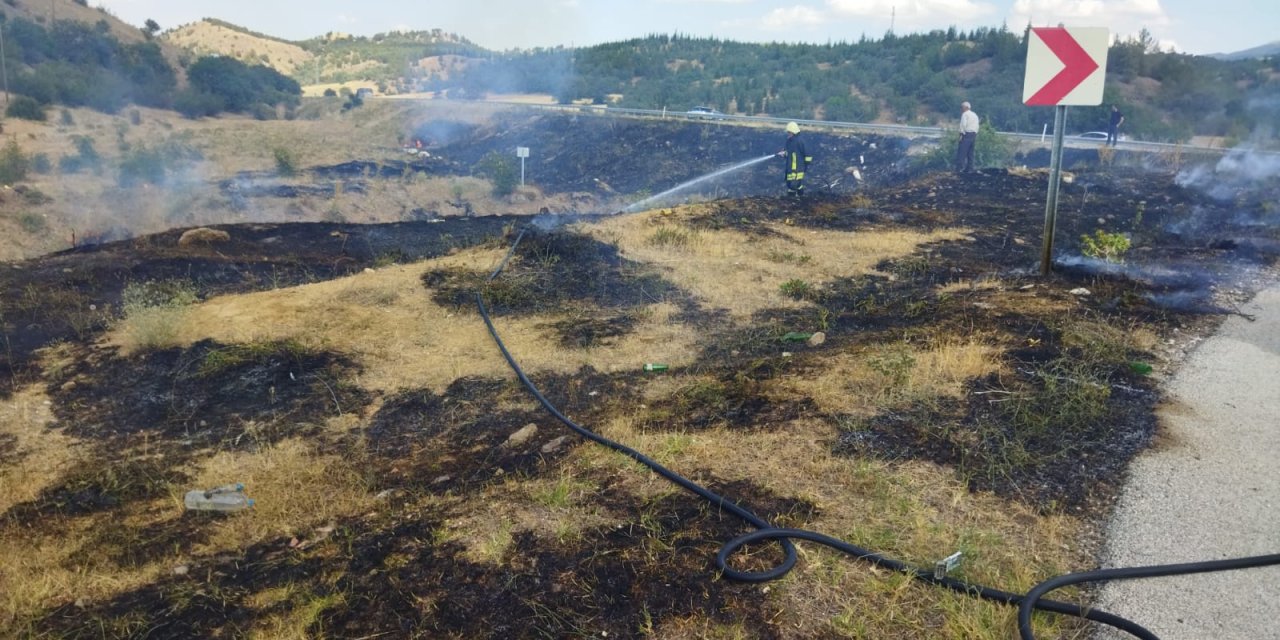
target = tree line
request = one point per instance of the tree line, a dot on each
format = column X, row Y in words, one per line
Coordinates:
column 910, row 79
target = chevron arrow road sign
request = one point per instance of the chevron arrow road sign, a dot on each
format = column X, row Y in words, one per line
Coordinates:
column 1065, row 66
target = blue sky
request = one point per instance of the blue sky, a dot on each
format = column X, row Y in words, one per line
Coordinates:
column 1192, row 26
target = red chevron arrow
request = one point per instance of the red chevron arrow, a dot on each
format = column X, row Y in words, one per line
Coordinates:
column 1079, row 65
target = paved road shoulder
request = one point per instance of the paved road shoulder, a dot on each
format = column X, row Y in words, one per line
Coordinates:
column 1209, row 490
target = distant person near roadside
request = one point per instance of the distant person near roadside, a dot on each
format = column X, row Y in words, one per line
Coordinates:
column 1113, row 130
column 796, row 161
column 968, row 136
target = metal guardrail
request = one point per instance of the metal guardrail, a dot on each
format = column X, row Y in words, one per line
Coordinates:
column 871, row 127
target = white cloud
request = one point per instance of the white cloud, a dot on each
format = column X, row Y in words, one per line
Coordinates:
column 1123, row 18
column 790, row 17
column 908, row 12
column 1118, row 14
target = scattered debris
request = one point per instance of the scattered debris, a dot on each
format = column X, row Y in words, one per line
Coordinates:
column 522, row 436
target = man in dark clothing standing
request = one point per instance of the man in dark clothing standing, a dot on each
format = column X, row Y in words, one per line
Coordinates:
column 796, row 161
column 1113, row 130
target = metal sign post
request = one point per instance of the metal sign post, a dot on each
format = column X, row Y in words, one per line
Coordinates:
column 1055, row 179
column 522, row 153
column 1064, row 67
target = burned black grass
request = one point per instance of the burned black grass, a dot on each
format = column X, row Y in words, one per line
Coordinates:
column 209, row 394
column 462, row 439
column 548, row 271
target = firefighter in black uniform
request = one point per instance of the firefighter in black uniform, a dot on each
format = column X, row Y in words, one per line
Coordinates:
column 796, row 161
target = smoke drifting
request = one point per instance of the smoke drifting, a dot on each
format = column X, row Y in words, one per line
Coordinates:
column 1241, row 169
column 1228, row 229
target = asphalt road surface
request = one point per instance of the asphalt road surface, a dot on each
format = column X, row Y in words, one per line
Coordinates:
column 1209, row 490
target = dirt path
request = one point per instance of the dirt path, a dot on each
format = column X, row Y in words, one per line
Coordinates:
column 1212, row 492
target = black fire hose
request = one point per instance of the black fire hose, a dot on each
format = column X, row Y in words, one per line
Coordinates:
column 764, row 531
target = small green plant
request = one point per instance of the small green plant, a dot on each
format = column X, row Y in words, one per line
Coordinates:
column 670, row 237
column 1139, row 212
column 894, row 363
column 796, row 288
column 1105, row 246
column 286, row 162
column 217, row 361
column 154, row 311
column 788, row 257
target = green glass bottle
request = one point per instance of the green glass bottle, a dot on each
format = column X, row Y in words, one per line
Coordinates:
column 650, row 366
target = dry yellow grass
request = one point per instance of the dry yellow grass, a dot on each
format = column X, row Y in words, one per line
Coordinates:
column 405, row 340
column 38, row 570
column 296, row 492
column 865, row 379
column 731, row 270
column 205, row 38
column 43, row 455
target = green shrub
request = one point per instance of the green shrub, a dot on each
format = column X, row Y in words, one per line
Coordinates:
column 500, row 170
column 142, row 164
column 40, row 163
column 197, row 104
column 1105, row 246
column 86, row 156
column 286, row 162
column 32, row 222
column 25, row 108
column 990, row 150
column 262, row 111
column 13, row 163
column 796, row 288
column 155, row 311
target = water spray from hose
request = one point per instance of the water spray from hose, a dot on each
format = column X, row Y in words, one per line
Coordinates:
column 639, row 206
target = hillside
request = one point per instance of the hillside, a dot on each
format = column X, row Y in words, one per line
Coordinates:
column 50, row 11
column 390, row 60
column 1271, row 49
column 915, row 79
column 213, row 37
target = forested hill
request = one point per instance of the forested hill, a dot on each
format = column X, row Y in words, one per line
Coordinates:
column 910, row 79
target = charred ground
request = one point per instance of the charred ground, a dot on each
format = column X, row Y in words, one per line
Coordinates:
column 1054, row 428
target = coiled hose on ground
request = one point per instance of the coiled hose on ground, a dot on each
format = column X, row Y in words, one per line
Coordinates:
column 1033, row 599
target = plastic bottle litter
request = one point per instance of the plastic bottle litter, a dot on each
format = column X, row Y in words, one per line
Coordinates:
column 796, row 336
column 651, row 366
column 226, row 498
column 1140, row 368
